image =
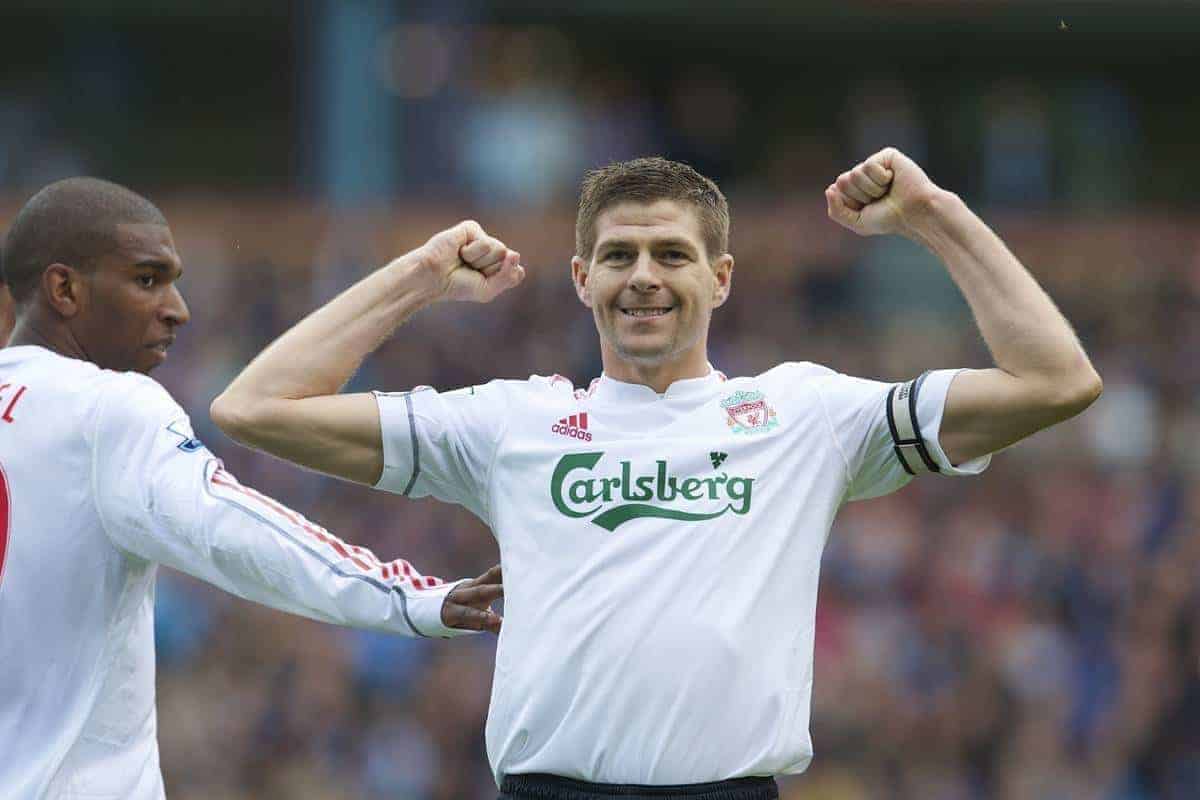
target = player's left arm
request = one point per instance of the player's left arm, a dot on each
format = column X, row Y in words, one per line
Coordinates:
column 1042, row 375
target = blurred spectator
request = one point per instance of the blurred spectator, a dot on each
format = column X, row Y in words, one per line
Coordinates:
column 1017, row 153
column 882, row 114
column 1102, row 151
column 518, row 140
column 706, row 108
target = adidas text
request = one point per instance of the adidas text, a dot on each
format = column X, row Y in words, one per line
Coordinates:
column 574, row 427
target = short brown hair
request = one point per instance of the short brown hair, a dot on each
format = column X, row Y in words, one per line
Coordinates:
column 646, row 180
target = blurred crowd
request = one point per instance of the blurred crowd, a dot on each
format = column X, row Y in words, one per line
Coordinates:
column 1032, row 633
column 510, row 115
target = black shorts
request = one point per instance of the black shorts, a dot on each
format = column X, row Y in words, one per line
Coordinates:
column 534, row 786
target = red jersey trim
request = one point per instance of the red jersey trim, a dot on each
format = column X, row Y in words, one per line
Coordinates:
column 360, row 557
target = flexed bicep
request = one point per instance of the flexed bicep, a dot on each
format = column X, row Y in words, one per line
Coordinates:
column 335, row 434
column 988, row 410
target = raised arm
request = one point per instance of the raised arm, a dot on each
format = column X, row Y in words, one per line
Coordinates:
column 287, row 401
column 1042, row 375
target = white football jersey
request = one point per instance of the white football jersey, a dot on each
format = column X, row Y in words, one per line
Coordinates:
column 660, row 553
column 101, row 479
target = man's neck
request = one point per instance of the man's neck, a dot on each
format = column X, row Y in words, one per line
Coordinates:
column 657, row 376
column 57, row 338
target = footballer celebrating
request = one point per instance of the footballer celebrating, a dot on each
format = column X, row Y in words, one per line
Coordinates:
column 662, row 570
column 101, row 480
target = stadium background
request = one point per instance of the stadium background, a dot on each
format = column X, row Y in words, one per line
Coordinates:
column 1031, row 634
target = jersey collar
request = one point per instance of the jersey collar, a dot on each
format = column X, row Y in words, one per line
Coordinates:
column 612, row 390
column 18, row 351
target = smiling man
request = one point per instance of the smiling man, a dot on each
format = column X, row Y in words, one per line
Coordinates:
column 101, row 480
column 661, row 530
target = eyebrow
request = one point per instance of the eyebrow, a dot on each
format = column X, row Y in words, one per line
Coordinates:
column 669, row 241
column 158, row 265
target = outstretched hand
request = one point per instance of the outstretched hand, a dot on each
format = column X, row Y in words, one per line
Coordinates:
column 469, row 605
column 887, row 193
column 465, row 263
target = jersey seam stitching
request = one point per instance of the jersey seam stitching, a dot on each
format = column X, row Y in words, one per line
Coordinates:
column 92, row 474
column 491, row 468
column 102, row 659
column 833, row 435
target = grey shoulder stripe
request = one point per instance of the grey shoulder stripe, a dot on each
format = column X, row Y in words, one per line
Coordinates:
column 416, row 455
column 317, row 555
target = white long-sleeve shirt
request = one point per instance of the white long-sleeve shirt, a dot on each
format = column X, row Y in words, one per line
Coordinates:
column 101, row 480
column 660, row 553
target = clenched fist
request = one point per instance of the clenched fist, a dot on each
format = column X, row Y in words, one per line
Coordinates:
column 887, row 193
column 465, row 263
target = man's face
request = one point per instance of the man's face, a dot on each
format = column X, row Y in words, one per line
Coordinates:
column 650, row 283
column 131, row 307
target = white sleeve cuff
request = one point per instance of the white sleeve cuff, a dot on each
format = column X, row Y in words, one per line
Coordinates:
column 931, row 403
column 401, row 448
column 424, row 609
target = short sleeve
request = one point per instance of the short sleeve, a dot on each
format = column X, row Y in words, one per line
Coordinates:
column 441, row 444
column 878, row 458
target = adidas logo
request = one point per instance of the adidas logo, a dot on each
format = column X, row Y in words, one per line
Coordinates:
column 574, row 427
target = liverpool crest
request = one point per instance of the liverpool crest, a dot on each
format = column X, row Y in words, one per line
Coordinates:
column 748, row 412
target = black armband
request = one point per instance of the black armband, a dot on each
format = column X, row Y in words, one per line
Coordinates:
column 906, row 429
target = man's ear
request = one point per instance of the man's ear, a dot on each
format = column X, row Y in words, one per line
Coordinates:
column 64, row 289
column 722, row 279
column 579, row 276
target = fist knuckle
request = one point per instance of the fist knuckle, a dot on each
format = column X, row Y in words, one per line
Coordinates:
column 470, row 228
